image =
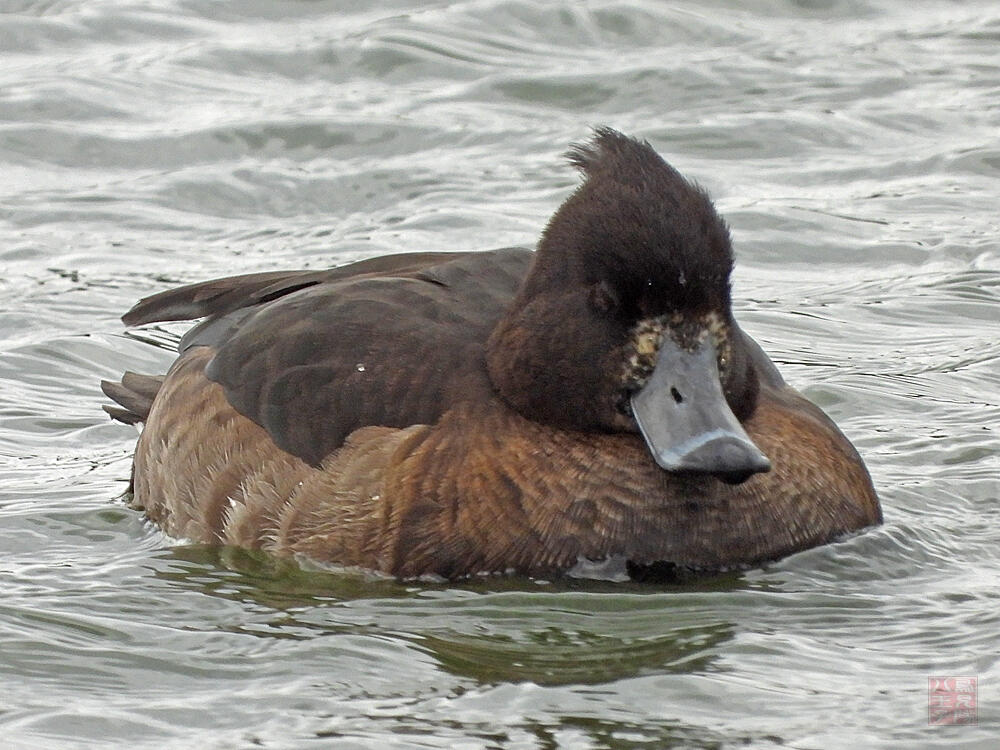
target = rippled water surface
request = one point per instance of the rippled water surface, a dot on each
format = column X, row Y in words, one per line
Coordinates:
column 854, row 147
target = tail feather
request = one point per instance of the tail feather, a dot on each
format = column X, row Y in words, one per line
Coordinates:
column 135, row 393
column 122, row 415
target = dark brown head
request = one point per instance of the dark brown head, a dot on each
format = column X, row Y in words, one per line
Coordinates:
column 624, row 322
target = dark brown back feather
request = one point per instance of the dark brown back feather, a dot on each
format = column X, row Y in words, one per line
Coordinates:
column 221, row 296
column 388, row 350
column 390, row 341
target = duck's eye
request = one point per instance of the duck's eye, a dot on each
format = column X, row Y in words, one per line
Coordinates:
column 603, row 297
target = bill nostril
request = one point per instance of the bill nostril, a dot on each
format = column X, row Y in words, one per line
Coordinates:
column 678, row 398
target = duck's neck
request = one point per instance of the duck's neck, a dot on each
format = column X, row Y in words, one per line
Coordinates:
column 552, row 361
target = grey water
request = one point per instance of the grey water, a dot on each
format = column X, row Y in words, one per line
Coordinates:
column 854, row 148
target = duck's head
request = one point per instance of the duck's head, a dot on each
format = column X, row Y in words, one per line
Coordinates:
column 624, row 322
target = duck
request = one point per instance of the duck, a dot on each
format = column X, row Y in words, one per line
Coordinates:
column 457, row 413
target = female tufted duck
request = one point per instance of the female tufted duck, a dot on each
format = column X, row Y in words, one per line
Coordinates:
column 459, row 413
